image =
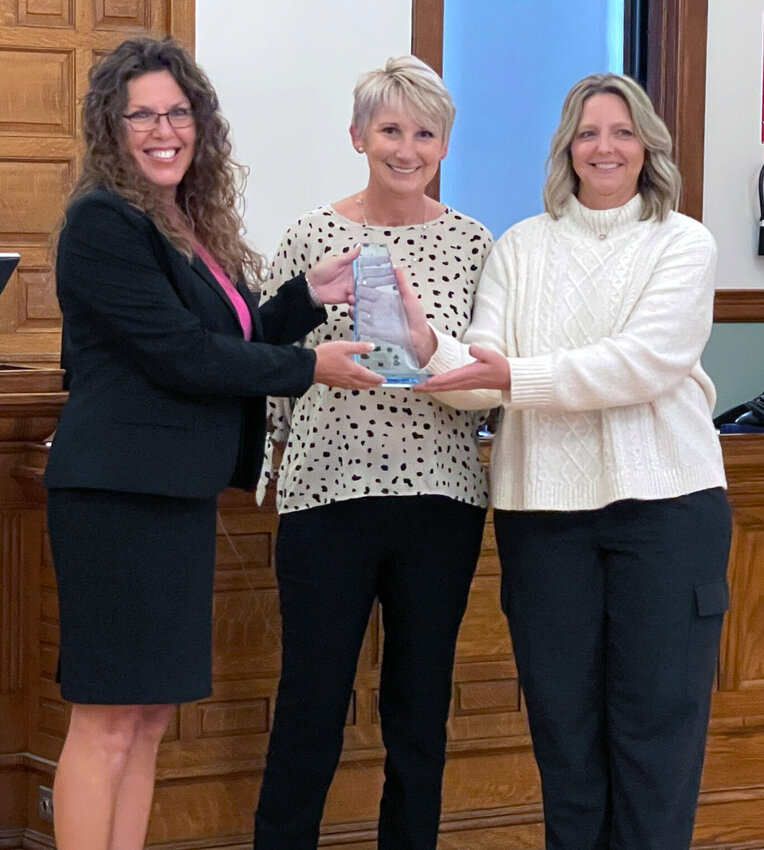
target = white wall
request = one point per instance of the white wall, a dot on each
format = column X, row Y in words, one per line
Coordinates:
column 733, row 150
column 284, row 71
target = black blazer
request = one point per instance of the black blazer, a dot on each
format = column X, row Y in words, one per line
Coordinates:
column 165, row 394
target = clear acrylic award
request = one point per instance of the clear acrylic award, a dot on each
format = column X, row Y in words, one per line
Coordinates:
column 379, row 318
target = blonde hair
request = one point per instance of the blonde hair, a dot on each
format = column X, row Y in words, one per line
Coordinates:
column 404, row 83
column 210, row 192
column 659, row 182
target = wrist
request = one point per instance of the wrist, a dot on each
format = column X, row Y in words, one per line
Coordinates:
column 427, row 347
column 314, row 296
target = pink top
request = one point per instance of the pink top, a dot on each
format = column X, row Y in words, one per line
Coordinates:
column 239, row 304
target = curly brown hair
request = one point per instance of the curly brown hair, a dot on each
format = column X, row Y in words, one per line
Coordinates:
column 211, row 191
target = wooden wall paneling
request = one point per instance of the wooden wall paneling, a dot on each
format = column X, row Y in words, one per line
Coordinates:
column 213, row 755
column 12, row 607
column 21, row 524
column 36, row 88
column 46, row 13
column 732, row 790
column 131, row 15
column 13, row 665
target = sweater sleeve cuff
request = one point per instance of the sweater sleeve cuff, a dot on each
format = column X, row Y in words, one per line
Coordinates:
column 449, row 354
column 530, row 382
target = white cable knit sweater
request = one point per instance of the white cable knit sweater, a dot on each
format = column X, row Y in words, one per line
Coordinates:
column 608, row 399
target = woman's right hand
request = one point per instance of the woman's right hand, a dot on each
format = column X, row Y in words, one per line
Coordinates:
column 488, row 371
column 422, row 335
column 336, row 368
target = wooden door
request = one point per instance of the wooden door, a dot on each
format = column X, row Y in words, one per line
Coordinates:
column 46, row 49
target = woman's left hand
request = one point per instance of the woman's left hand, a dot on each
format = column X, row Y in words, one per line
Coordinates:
column 332, row 277
column 489, row 371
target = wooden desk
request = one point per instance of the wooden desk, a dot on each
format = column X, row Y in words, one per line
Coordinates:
column 213, row 755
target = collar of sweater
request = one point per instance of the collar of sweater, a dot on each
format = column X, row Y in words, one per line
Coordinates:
column 602, row 223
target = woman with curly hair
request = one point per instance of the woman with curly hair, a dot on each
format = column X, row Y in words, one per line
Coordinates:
column 168, row 362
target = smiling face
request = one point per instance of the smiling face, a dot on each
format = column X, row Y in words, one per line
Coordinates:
column 403, row 153
column 605, row 153
column 163, row 153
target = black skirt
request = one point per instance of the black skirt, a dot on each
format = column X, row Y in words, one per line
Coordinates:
column 134, row 575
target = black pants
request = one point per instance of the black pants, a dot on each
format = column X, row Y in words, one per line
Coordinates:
column 615, row 616
column 416, row 554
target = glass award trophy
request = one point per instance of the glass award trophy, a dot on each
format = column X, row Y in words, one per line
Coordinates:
column 379, row 318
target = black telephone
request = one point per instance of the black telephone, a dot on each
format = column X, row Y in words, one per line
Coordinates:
column 744, row 417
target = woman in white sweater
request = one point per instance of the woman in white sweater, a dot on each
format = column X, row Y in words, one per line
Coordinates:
column 606, row 473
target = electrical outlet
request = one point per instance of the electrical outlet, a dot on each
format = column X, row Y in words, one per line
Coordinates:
column 45, row 803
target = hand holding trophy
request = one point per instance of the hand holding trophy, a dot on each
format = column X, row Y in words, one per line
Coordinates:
column 380, row 317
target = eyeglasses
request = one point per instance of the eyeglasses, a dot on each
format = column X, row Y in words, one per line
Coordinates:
column 177, row 118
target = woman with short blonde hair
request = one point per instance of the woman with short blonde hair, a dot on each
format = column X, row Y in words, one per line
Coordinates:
column 381, row 493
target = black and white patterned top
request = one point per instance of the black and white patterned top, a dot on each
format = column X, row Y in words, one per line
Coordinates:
column 345, row 444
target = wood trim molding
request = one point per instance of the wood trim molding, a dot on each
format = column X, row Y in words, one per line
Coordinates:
column 676, row 83
column 182, row 23
column 427, row 44
column 427, row 32
column 11, row 602
column 739, row 305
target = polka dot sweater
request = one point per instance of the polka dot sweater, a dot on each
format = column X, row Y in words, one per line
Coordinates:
column 345, row 444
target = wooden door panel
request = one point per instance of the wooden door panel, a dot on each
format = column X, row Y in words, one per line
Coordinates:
column 36, row 92
column 743, row 644
column 33, row 191
column 45, row 13
column 132, row 15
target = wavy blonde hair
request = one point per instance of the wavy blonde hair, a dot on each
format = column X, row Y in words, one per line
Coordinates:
column 210, row 193
column 659, row 182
